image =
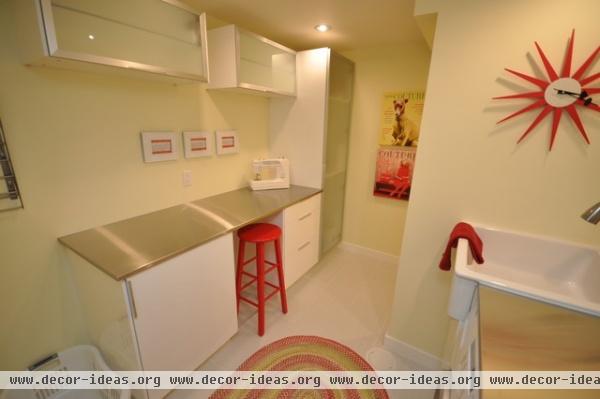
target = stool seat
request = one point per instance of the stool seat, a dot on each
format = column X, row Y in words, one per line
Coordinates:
column 259, row 232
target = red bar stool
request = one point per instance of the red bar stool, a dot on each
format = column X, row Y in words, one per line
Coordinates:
column 260, row 234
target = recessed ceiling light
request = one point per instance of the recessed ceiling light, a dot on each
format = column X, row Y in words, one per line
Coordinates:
column 91, row 37
column 323, row 27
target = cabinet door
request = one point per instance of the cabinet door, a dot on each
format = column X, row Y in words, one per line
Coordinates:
column 149, row 35
column 184, row 309
column 337, row 141
column 301, row 238
column 265, row 65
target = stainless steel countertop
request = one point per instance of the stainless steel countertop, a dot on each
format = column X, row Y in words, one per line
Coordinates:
column 127, row 247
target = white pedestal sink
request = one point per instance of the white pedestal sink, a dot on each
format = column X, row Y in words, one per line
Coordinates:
column 545, row 269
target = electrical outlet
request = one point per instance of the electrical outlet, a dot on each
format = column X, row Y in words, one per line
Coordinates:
column 186, row 178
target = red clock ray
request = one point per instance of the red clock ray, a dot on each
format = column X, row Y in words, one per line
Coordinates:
column 557, row 109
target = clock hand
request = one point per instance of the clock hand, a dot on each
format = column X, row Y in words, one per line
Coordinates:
column 588, row 101
column 581, row 95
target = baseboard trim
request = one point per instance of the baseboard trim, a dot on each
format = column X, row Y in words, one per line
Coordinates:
column 384, row 256
column 425, row 360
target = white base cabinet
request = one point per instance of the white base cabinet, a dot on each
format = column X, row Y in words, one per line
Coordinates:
column 301, row 238
column 172, row 316
column 184, row 309
column 300, row 242
column 176, row 314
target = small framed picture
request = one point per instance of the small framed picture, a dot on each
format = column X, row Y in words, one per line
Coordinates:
column 160, row 146
column 197, row 144
column 227, row 142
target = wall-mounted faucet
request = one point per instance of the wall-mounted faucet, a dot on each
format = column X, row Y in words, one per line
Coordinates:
column 592, row 215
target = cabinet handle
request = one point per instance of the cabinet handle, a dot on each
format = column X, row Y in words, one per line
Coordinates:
column 131, row 299
column 305, row 216
column 306, row 244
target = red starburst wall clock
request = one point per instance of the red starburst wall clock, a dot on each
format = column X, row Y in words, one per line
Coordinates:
column 567, row 92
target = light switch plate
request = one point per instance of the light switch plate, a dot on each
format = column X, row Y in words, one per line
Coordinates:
column 186, row 178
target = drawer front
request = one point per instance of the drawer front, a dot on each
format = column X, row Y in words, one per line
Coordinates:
column 299, row 260
column 302, row 222
column 301, row 238
column 301, row 209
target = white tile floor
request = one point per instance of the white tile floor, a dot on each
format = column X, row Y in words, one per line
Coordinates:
column 347, row 297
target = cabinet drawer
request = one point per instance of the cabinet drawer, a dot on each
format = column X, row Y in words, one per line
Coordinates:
column 301, row 238
column 300, row 231
column 300, row 211
column 302, row 222
column 299, row 259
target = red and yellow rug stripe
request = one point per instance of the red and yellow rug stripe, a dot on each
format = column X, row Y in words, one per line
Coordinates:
column 304, row 353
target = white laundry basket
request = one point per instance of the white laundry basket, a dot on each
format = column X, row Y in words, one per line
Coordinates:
column 77, row 358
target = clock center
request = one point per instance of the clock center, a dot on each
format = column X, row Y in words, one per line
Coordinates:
column 552, row 96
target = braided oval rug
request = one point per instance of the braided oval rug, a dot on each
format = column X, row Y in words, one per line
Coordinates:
column 306, row 353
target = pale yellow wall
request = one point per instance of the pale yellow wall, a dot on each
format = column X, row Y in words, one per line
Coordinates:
column 425, row 16
column 424, row 7
column 369, row 221
column 427, row 25
column 74, row 139
column 470, row 169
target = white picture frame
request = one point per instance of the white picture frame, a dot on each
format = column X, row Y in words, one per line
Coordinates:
column 198, row 144
column 227, row 142
column 159, row 146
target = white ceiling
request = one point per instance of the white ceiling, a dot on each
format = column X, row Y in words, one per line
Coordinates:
column 356, row 23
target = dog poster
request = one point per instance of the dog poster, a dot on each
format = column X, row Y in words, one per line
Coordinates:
column 393, row 172
column 401, row 118
column 398, row 141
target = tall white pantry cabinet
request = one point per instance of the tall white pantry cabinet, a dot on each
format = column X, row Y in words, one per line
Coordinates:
column 313, row 131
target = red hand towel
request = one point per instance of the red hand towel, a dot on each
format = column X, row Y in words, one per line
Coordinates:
column 462, row 230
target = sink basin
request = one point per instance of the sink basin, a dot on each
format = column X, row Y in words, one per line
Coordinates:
column 545, row 269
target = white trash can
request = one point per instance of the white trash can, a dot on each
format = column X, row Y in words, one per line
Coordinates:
column 77, row 358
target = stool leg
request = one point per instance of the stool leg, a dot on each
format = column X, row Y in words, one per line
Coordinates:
column 282, row 293
column 260, row 273
column 240, row 269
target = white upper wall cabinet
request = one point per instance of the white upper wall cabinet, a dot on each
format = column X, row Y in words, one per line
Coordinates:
column 164, row 37
column 242, row 61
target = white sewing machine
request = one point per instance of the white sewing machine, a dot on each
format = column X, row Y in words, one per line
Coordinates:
column 270, row 174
